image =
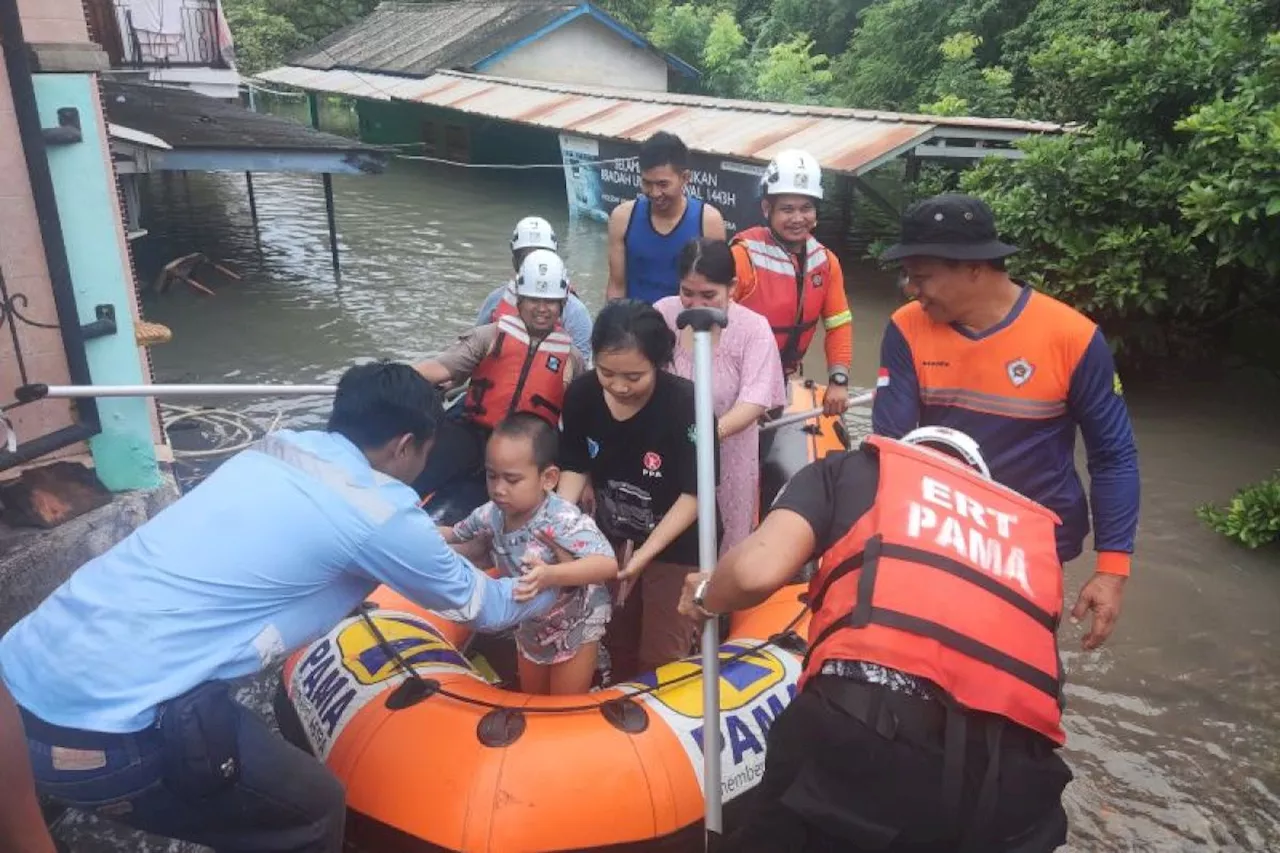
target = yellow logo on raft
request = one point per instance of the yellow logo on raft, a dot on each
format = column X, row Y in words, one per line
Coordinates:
column 417, row 642
column 741, row 681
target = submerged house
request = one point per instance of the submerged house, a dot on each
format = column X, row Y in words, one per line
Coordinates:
column 535, row 40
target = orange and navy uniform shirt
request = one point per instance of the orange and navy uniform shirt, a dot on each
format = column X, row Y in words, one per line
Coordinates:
column 837, row 320
column 1021, row 389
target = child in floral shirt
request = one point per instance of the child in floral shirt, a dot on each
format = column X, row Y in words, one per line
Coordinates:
column 546, row 542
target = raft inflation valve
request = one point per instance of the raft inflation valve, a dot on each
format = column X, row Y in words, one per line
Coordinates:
column 626, row 715
column 411, row 692
column 501, row 727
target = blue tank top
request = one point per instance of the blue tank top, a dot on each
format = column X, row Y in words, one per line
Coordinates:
column 651, row 257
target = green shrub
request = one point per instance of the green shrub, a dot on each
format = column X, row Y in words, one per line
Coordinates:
column 1253, row 516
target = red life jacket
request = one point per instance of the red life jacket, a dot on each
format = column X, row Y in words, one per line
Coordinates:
column 517, row 377
column 952, row 578
column 789, row 297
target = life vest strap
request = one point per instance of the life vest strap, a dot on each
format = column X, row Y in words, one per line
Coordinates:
column 1042, row 681
column 539, row 400
column 965, row 573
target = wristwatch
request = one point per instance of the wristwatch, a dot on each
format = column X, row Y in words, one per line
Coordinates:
column 840, row 378
column 699, row 597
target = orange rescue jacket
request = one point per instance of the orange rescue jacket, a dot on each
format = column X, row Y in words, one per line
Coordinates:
column 789, row 297
column 952, row 578
column 518, row 377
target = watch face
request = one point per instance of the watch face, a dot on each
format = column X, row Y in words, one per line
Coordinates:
column 840, row 379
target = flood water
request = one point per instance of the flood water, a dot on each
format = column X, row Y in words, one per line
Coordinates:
column 1174, row 727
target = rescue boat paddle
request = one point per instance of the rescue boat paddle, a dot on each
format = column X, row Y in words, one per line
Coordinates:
column 860, row 400
column 703, row 321
column 36, row 391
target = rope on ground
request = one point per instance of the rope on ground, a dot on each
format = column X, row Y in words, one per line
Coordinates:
column 229, row 431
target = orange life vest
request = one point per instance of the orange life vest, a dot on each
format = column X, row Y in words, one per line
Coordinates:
column 789, row 297
column 518, row 377
column 952, row 578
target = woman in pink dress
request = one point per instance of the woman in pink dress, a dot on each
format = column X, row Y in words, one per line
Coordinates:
column 747, row 377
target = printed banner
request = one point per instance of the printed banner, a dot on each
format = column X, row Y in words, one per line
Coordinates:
column 596, row 183
column 754, row 690
column 346, row 669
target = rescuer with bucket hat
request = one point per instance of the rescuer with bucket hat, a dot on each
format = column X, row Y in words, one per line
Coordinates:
column 1020, row 372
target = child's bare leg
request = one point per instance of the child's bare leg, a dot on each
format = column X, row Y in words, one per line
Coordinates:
column 575, row 674
column 534, row 677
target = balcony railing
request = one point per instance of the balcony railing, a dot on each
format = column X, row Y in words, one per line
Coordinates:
column 160, row 33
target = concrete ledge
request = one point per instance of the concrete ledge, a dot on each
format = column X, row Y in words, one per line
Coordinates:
column 34, row 562
column 69, row 58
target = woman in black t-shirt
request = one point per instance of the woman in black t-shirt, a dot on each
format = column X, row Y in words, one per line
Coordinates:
column 629, row 425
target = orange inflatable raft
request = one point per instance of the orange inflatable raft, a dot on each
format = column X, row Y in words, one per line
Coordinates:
column 434, row 756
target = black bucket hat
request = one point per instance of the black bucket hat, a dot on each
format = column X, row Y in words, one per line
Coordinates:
column 952, row 226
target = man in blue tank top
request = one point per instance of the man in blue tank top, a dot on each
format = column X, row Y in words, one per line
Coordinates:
column 647, row 234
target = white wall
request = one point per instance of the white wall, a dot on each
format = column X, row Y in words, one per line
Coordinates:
column 586, row 52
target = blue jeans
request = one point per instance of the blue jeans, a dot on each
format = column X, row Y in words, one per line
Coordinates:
column 283, row 799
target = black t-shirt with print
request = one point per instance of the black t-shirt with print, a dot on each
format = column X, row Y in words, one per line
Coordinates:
column 639, row 467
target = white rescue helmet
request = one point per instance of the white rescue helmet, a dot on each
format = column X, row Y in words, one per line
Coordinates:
column 953, row 440
column 792, row 172
column 542, row 276
column 533, row 232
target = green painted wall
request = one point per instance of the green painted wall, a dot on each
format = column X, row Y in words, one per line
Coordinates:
column 85, row 190
column 455, row 135
column 383, row 123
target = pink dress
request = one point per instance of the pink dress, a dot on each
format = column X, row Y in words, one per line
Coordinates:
column 745, row 368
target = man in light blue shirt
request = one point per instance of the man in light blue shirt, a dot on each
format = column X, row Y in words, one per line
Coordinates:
column 117, row 673
column 534, row 232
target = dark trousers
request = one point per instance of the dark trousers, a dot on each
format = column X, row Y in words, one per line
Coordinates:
column 834, row 782
column 284, row 799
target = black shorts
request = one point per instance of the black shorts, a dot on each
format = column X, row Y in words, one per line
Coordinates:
column 833, row 782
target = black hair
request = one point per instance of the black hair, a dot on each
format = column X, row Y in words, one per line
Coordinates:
column 711, row 258
column 664, row 149
column 632, row 324
column 381, row 400
column 542, row 435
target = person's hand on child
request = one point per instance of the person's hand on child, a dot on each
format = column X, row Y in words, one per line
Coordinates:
column 537, row 577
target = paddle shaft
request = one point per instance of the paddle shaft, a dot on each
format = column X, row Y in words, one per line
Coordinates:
column 860, row 400
column 70, row 391
column 705, row 419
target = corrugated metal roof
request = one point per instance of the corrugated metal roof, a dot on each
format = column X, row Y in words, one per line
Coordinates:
column 418, row 38
column 843, row 140
column 181, row 119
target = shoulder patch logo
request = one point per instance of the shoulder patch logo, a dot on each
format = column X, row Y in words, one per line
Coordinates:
column 1020, row 371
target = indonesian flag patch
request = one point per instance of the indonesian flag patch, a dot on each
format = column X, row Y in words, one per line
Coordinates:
column 882, row 378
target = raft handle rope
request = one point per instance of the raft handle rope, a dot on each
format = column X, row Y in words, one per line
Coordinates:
column 416, row 688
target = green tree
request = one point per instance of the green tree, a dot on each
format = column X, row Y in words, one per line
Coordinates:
column 962, row 88
column 262, row 38
column 892, row 54
column 725, row 64
column 790, row 73
column 682, row 29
